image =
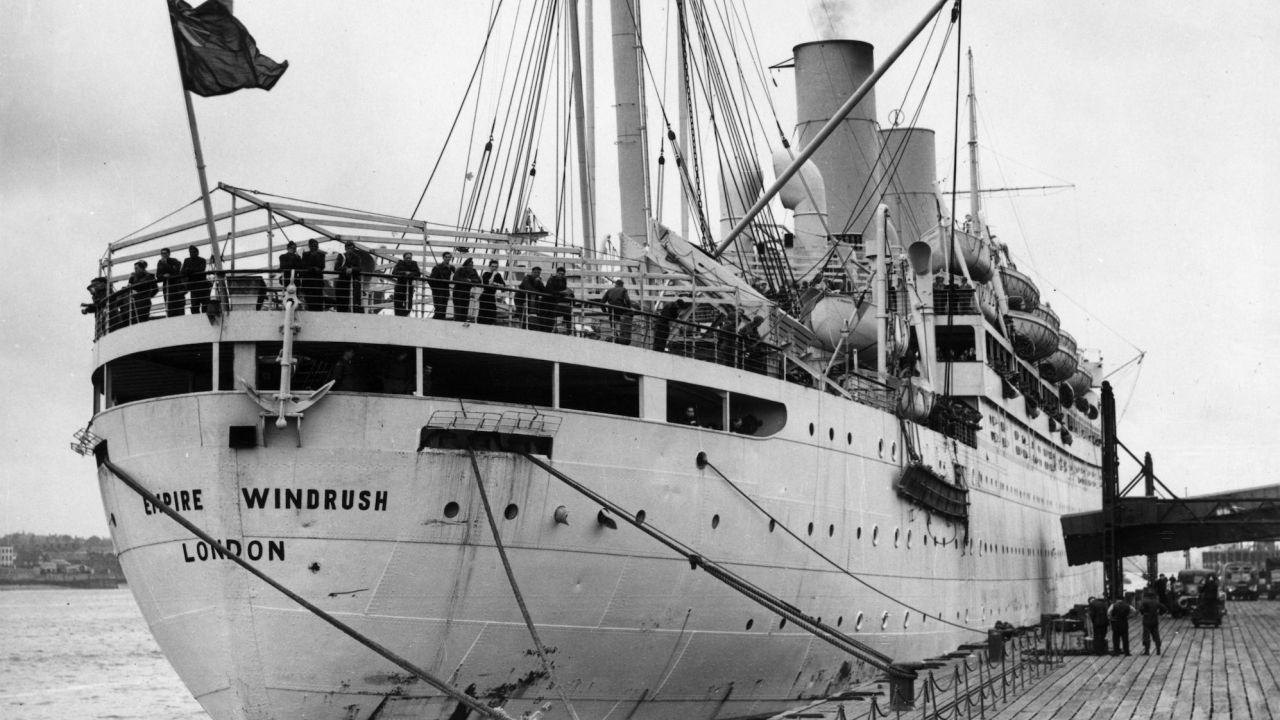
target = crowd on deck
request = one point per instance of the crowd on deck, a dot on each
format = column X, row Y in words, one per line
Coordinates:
column 731, row 337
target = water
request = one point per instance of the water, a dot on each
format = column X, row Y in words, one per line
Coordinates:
column 84, row 654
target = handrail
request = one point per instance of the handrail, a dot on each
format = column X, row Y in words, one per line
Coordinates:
column 260, row 289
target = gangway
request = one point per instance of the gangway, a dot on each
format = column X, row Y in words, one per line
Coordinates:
column 1151, row 525
column 1148, row 524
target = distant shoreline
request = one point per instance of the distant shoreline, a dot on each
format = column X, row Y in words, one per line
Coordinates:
column 101, row 583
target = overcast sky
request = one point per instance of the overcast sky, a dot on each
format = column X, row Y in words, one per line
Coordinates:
column 1163, row 115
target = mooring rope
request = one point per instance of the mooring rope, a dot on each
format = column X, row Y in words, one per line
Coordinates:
column 703, row 458
column 515, row 588
column 432, row 680
column 822, row 631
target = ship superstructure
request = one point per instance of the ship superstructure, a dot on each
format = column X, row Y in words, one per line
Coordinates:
column 866, row 418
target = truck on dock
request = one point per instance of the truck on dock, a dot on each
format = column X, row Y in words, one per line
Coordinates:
column 1240, row 581
column 1269, row 579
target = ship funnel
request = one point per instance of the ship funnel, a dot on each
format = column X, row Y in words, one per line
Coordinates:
column 911, row 167
column 827, row 74
column 805, row 194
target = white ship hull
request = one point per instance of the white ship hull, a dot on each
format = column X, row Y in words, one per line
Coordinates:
column 357, row 520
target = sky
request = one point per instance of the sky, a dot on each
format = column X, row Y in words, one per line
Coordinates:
column 1161, row 115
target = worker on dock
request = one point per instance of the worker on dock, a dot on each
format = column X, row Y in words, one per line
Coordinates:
column 1118, row 614
column 1151, row 609
column 1098, row 619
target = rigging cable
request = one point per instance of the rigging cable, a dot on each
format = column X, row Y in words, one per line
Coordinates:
column 479, row 63
column 515, row 587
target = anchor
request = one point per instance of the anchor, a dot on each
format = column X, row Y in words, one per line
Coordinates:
column 285, row 403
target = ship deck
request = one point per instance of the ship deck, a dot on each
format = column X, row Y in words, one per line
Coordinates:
column 1229, row 672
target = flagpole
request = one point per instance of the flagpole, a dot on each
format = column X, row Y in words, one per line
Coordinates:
column 221, row 282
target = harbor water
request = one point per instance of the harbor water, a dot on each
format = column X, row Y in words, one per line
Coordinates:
column 83, row 655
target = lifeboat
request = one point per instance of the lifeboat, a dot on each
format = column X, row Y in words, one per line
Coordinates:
column 989, row 304
column 1081, row 381
column 835, row 316
column 1062, row 363
column 971, row 249
column 1034, row 334
column 1022, row 293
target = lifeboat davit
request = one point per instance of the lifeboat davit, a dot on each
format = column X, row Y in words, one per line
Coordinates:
column 1034, row 334
column 1022, row 293
column 972, row 250
column 1062, row 363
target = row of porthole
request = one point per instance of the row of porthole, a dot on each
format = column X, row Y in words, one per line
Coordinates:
column 848, row 439
column 859, row 619
column 451, row 510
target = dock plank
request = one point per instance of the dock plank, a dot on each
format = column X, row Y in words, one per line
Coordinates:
column 1227, row 673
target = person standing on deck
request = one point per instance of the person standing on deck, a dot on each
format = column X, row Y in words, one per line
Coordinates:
column 617, row 303
column 290, row 263
column 529, row 298
column 1118, row 614
column 1151, row 608
column 195, row 280
column 491, row 280
column 313, row 262
column 142, row 287
column 662, row 327
column 441, row 274
column 464, row 279
column 169, row 274
column 348, row 288
column 405, row 272
column 1098, row 619
column 559, row 301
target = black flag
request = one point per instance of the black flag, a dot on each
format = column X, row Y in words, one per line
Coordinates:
column 216, row 54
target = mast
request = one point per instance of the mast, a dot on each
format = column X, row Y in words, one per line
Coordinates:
column 586, row 175
column 685, row 119
column 975, row 204
column 633, row 167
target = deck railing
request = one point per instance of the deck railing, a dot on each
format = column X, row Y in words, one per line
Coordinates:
column 705, row 331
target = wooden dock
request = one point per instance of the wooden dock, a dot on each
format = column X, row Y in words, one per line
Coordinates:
column 1227, row 673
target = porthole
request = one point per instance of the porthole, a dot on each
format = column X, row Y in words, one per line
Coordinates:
column 772, row 524
column 857, row 622
column 715, row 521
column 640, row 517
column 897, row 533
column 884, row 620
column 810, row 528
column 839, row 621
column 875, row 535
column 893, row 451
column 848, row 439
column 750, row 622
column 880, row 447
column 511, row 512
column 451, row 510
column 906, row 619
column 831, row 531
column 908, row 539
column 831, row 433
column 858, row 535
column 782, row 623
column 811, row 429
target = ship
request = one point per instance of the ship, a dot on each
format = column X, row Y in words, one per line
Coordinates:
column 811, row 446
